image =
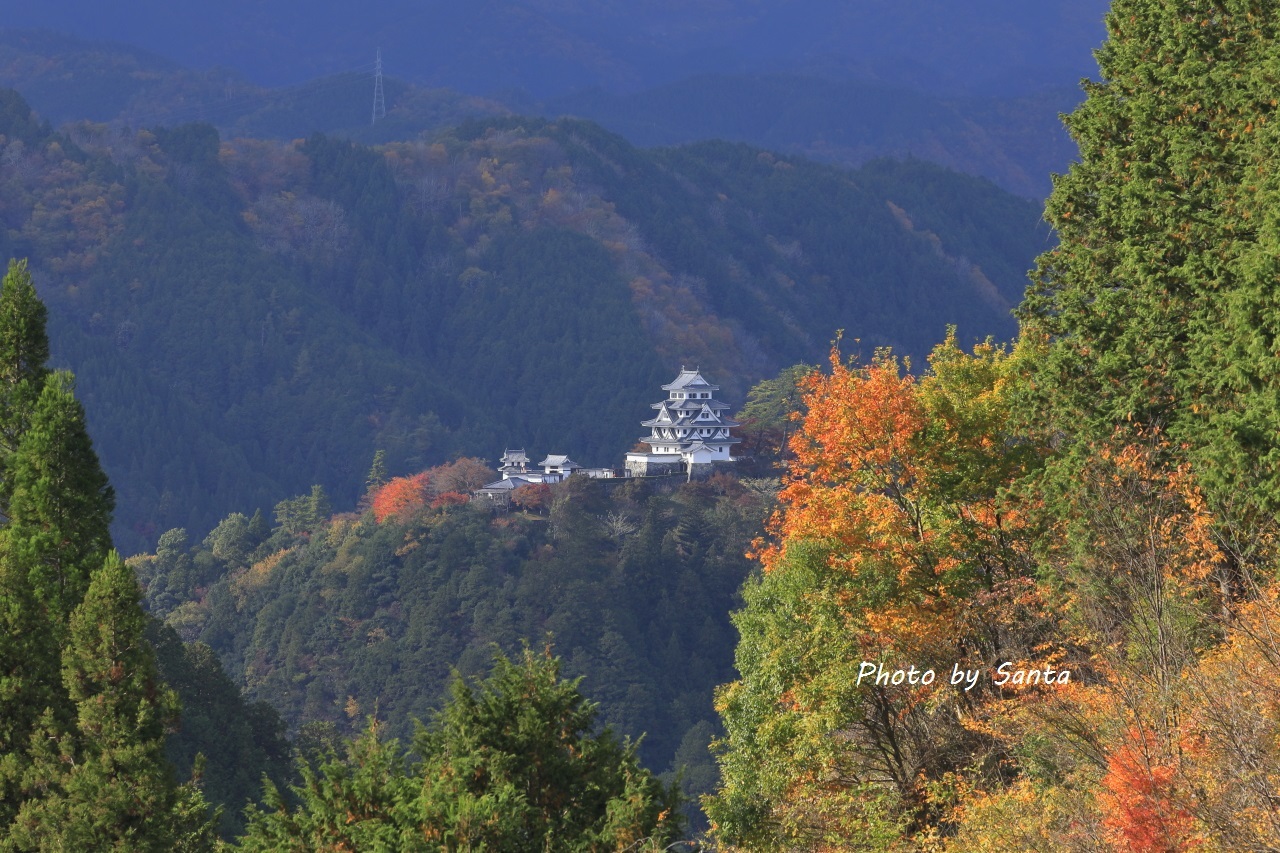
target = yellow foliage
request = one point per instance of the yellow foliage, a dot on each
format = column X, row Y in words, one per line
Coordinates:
column 255, row 577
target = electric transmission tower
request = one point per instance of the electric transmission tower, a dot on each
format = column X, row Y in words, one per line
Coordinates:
column 379, row 102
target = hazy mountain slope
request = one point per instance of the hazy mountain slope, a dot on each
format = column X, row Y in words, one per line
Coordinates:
column 549, row 47
column 67, row 79
column 1015, row 141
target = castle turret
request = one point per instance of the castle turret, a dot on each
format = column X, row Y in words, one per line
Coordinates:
column 513, row 463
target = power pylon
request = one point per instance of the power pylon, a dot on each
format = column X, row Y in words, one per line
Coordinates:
column 379, row 102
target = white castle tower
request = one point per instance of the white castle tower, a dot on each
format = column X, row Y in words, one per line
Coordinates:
column 689, row 433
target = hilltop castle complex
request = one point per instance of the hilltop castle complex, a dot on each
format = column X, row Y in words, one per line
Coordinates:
column 689, row 434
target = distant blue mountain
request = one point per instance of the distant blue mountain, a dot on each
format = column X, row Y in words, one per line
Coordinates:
column 551, row 47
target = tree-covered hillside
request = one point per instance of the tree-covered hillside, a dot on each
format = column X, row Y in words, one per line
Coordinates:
column 329, row 619
column 248, row 318
column 1029, row 600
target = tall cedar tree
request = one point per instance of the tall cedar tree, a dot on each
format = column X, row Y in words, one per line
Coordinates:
column 60, row 512
column 1159, row 300
column 81, row 761
column 24, row 349
column 107, row 785
column 28, row 681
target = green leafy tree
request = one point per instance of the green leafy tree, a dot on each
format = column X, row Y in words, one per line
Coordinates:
column 1158, row 302
column 766, row 417
column 512, row 762
column 356, row 802
column 230, row 540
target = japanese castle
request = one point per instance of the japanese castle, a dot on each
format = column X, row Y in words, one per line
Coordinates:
column 689, row 433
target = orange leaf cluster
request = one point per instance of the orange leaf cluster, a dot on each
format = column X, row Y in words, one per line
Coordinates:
column 401, row 497
column 1140, row 800
column 854, row 466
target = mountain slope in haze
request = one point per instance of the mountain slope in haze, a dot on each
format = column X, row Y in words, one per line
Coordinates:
column 551, row 47
column 247, row 318
column 67, row 79
column 1015, row 140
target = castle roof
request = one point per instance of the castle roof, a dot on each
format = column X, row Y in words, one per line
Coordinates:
column 690, row 379
column 507, row 485
column 559, row 462
column 692, row 420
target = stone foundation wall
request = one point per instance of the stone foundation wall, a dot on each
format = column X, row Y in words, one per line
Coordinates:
column 650, row 468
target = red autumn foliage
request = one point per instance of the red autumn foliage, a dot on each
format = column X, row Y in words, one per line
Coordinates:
column 401, row 497
column 1140, row 800
column 450, row 499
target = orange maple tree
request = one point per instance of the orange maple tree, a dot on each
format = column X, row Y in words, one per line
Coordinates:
column 897, row 544
column 401, row 497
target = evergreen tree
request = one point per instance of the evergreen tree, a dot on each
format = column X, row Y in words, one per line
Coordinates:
column 106, row 784
column 377, row 475
column 512, row 764
column 24, row 349
column 61, row 507
column 28, row 681
column 509, row 764
column 81, row 755
column 1159, row 301
column 351, row 803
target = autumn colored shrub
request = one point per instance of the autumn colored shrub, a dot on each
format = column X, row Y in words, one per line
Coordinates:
column 450, row 499
column 462, row 476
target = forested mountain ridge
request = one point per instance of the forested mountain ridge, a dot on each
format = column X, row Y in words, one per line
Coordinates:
column 550, row 47
column 248, row 318
column 69, row 80
column 1015, row 140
